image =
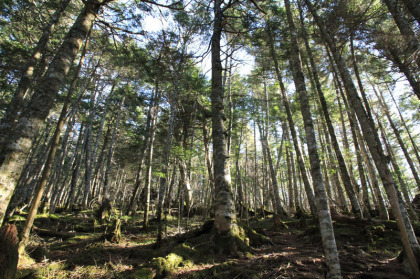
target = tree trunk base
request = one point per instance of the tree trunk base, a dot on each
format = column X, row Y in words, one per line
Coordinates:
column 236, row 242
column 9, row 255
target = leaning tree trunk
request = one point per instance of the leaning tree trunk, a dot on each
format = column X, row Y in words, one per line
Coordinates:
column 50, row 159
column 413, row 6
column 299, row 156
column 410, row 162
column 397, row 170
column 32, row 119
column 405, row 29
column 345, row 177
column 325, row 221
column 16, row 105
column 383, row 212
column 370, row 134
column 415, row 148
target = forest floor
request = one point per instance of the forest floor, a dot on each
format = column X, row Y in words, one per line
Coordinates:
column 75, row 245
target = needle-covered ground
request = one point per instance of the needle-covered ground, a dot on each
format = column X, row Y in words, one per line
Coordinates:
column 76, row 245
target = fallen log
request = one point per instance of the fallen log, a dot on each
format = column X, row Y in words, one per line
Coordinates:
column 49, row 233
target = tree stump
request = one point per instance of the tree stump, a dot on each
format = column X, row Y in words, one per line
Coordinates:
column 104, row 211
column 116, row 234
column 9, row 255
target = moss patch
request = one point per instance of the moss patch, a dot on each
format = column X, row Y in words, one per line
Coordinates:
column 165, row 266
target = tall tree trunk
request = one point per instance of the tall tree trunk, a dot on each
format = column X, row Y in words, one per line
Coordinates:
column 32, row 119
column 324, row 216
column 397, row 170
column 50, row 159
column 16, row 105
column 409, row 240
column 96, row 145
column 415, row 148
column 413, row 6
column 225, row 217
column 299, row 156
column 399, row 139
column 345, row 177
column 405, row 29
column 380, row 201
column 111, row 151
column 76, row 168
column 151, row 116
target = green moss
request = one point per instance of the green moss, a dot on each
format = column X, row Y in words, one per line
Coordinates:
column 17, row 218
column 186, row 252
column 143, row 273
column 53, row 217
column 165, row 266
column 53, row 270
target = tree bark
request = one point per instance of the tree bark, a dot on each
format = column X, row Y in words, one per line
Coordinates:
column 16, row 105
column 9, row 255
column 345, row 177
column 50, row 159
column 32, row 119
column 299, row 157
column 409, row 240
column 225, row 217
column 111, row 151
column 324, row 215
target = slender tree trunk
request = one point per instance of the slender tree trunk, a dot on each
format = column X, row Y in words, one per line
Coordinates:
column 16, row 105
column 32, row 119
column 413, row 6
column 380, row 201
column 111, row 151
column 149, row 159
column 409, row 240
column 399, row 139
column 345, row 177
column 405, row 28
column 395, row 165
column 299, row 157
column 76, row 168
column 413, row 143
column 325, row 222
column 50, row 159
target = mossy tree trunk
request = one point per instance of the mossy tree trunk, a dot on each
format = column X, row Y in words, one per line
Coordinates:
column 25, row 83
column 225, row 226
column 32, row 119
column 50, row 159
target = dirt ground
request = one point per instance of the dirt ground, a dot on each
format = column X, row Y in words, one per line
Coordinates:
column 74, row 245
